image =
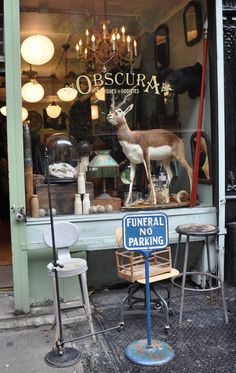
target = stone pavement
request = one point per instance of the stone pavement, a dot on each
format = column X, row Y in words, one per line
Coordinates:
column 203, row 344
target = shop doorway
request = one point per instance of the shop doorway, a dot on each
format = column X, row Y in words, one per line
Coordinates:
column 6, row 275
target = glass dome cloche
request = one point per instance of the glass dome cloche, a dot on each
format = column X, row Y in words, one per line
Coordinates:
column 62, row 157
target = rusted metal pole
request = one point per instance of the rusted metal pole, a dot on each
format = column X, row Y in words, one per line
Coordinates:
column 193, row 199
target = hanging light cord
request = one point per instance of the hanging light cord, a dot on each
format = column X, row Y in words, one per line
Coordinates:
column 53, row 77
column 66, row 47
column 105, row 9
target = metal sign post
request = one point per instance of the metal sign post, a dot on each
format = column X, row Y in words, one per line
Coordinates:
column 147, row 233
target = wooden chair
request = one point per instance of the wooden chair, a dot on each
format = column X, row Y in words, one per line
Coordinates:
column 66, row 235
column 130, row 267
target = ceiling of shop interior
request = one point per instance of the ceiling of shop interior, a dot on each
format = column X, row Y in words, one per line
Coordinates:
column 57, row 20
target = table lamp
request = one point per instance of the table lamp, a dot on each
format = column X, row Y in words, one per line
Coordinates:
column 103, row 166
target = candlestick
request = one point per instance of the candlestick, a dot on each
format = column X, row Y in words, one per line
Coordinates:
column 113, row 40
column 118, row 37
column 93, row 43
column 104, row 31
column 135, row 48
column 128, row 43
column 87, row 36
column 123, row 34
column 80, row 47
column 77, row 50
column 86, row 53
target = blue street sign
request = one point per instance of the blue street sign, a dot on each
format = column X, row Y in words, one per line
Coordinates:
column 145, row 232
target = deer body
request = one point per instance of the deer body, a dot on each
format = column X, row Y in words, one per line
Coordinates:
column 146, row 146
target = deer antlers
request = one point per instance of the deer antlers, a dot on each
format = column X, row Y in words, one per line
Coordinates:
column 123, row 101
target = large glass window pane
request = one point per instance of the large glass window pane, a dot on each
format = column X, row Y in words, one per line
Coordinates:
column 113, row 89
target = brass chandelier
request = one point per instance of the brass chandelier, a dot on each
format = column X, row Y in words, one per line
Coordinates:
column 103, row 51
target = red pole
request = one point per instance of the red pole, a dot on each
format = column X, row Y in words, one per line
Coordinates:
column 193, row 198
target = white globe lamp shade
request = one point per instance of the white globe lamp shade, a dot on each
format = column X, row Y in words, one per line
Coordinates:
column 24, row 114
column 37, row 49
column 67, row 93
column 100, row 94
column 32, row 91
column 94, row 112
column 53, row 110
column 3, row 110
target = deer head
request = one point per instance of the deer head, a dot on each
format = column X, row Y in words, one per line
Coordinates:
column 116, row 115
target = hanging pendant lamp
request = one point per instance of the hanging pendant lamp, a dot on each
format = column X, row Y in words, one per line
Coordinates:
column 32, row 91
column 68, row 93
column 37, row 49
column 3, row 111
column 53, row 110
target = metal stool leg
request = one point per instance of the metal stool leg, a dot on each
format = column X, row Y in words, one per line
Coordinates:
column 221, row 282
column 175, row 263
column 177, row 250
column 55, row 321
column 133, row 288
column 84, row 288
column 183, row 280
column 164, row 307
column 209, row 266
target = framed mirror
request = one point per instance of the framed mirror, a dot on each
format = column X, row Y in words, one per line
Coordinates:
column 205, row 165
column 171, row 106
column 161, row 45
column 192, row 19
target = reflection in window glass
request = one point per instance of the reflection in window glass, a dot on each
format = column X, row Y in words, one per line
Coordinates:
column 119, row 66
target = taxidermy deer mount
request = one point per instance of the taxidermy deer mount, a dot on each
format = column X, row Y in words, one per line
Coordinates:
column 146, row 146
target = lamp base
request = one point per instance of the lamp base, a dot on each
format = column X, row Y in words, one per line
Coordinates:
column 70, row 357
column 104, row 196
column 159, row 354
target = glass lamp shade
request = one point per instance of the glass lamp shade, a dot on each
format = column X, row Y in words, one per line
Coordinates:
column 67, row 93
column 3, row 110
column 37, row 49
column 103, row 165
column 32, row 91
column 25, row 113
column 94, row 112
column 53, row 110
column 100, row 94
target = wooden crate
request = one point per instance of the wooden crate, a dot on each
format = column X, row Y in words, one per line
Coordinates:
column 131, row 266
column 62, row 196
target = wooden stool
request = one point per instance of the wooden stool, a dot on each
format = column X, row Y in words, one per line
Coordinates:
column 131, row 268
column 199, row 230
column 66, row 235
column 159, row 301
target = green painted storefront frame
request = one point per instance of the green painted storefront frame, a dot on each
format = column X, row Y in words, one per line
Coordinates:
column 15, row 152
column 29, row 256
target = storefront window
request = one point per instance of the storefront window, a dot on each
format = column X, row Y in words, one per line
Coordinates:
column 112, row 93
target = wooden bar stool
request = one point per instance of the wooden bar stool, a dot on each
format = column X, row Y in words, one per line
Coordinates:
column 66, row 235
column 130, row 267
column 204, row 231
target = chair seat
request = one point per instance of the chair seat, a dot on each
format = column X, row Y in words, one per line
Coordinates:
column 163, row 276
column 72, row 267
column 197, row 229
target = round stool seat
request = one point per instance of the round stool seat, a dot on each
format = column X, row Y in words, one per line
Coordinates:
column 197, row 229
column 72, row 267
